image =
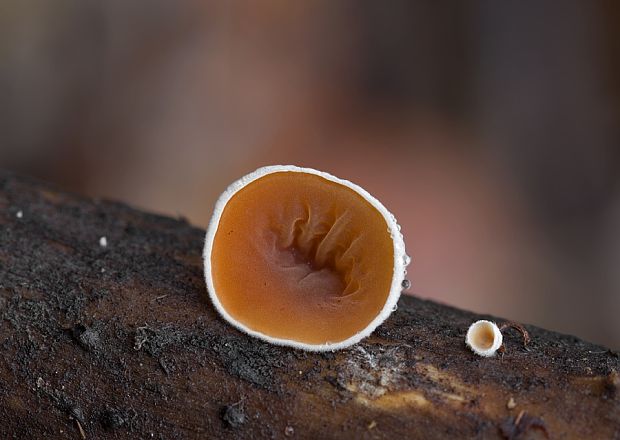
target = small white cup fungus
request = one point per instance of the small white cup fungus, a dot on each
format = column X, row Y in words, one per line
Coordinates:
column 484, row 338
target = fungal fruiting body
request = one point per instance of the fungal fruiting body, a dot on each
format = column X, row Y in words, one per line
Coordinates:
column 484, row 338
column 301, row 258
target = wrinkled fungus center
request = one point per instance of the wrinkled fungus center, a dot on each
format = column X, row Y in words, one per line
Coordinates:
column 483, row 336
column 299, row 257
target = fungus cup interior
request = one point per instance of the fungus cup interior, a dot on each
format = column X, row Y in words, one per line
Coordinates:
column 302, row 258
column 483, row 336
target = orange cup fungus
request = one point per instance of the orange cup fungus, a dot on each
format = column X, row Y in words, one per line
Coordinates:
column 298, row 257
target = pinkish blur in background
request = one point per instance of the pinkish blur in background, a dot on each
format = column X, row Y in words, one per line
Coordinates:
column 490, row 129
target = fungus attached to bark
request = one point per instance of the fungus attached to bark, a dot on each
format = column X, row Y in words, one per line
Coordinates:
column 484, row 338
column 298, row 257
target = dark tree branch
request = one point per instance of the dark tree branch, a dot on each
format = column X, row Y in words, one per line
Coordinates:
column 122, row 342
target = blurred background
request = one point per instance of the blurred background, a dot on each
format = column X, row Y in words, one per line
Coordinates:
column 490, row 129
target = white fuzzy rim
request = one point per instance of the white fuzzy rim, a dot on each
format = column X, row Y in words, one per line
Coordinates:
column 473, row 341
column 401, row 260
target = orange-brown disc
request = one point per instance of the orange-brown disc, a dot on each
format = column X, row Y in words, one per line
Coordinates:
column 299, row 257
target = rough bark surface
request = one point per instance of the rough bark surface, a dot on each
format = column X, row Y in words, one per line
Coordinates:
column 121, row 341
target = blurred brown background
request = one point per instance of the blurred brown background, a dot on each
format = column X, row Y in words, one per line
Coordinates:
column 490, row 129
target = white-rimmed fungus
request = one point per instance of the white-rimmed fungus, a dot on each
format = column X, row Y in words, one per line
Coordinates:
column 484, row 338
column 298, row 257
